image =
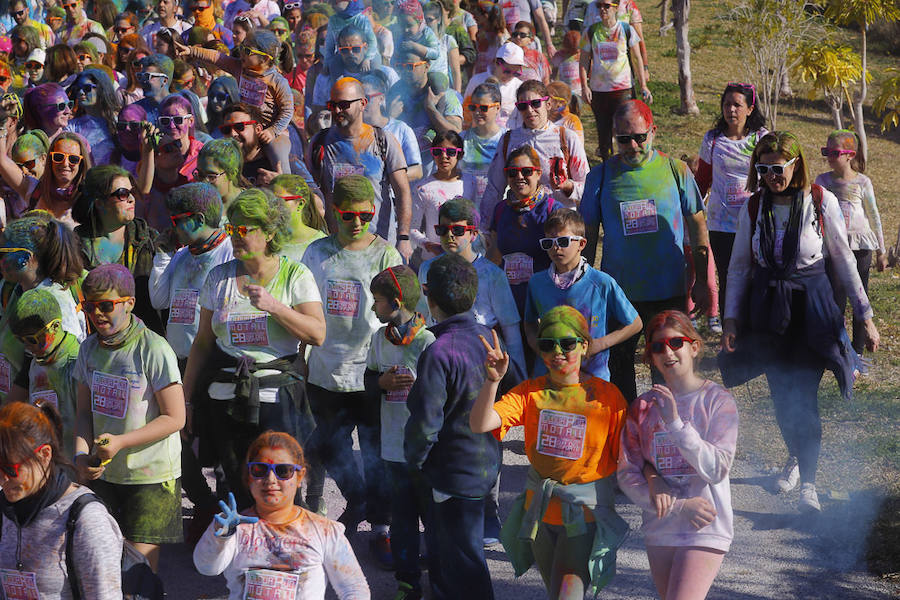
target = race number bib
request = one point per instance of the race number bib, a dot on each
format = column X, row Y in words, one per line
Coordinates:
column 608, row 50
column 669, row 461
column 561, row 434
column 5, row 375
column 253, row 91
column 19, row 585
column 568, row 71
column 639, row 216
column 109, row 395
column 343, row 298
column 44, row 397
column 735, row 195
column 264, row 584
column 249, row 329
column 512, row 13
column 184, row 307
column 339, row 170
column 847, row 211
column 398, row 395
column 519, row 267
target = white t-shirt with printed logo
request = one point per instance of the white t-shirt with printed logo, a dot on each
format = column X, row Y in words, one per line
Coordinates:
column 730, row 162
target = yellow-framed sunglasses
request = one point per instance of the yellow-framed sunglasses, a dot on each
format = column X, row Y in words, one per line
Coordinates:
column 247, row 51
column 36, row 339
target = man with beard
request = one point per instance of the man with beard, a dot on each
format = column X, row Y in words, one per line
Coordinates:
column 644, row 200
column 168, row 19
column 351, row 147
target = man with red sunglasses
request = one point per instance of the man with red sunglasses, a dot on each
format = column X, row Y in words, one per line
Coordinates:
column 351, row 147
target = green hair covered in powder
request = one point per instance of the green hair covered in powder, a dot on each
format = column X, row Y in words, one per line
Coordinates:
column 196, row 197
column 226, row 153
column 33, row 311
column 566, row 316
column 353, row 188
column 295, row 185
column 34, row 141
column 22, row 233
column 385, row 285
column 262, row 208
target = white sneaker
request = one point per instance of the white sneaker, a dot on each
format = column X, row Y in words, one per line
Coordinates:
column 789, row 477
column 715, row 325
column 809, row 500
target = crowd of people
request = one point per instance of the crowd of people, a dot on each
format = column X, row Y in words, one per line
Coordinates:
column 235, row 233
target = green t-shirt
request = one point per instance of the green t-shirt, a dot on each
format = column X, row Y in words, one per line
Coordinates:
column 123, row 383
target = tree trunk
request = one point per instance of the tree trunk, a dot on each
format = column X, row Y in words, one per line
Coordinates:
column 836, row 105
column 682, row 9
column 664, row 24
column 859, row 121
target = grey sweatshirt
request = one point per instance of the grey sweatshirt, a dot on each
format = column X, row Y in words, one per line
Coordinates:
column 42, row 550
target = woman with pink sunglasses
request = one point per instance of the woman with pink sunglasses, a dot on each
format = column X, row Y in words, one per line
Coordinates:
column 442, row 185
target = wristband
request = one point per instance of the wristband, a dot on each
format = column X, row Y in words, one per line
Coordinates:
column 80, row 453
column 402, row 237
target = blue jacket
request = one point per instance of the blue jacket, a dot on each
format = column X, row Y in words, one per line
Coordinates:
column 438, row 439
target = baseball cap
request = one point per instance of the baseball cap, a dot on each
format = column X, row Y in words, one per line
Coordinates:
column 511, row 54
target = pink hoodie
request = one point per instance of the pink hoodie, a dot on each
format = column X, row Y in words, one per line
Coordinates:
column 693, row 454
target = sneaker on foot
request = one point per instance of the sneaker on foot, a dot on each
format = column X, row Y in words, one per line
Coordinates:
column 407, row 592
column 491, row 531
column 715, row 324
column 809, row 500
column 789, row 477
column 381, row 548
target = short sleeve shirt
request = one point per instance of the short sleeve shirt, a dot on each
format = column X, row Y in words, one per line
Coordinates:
column 407, row 139
column 343, row 278
column 478, row 153
column 610, row 70
column 518, row 10
column 123, row 382
column 730, row 160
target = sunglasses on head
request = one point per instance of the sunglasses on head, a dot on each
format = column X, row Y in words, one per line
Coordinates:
column 61, row 106
column 179, row 216
column 562, row 241
column 535, row 104
column 239, row 127
column 639, row 138
column 437, row 151
column 104, row 306
column 283, row 471
column 353, row 49
column 365, row 216
column 763, row 169
column 238, row 230
column 165, row 121
column 27, row 164
column 835, row 152
column 122, row 194
column 482, row 107
column 11, row 470
column 743, row 88
column 675, row 343
column 457, row 230
column 340, row 104
column 37, row 339
column 524, row 171
column 566, row 344
column 61, row 157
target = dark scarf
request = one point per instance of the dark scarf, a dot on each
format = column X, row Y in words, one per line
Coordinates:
column 402, row 335
column 23, row 512
column 117, row 340
column 791, row 241
column 211, row 242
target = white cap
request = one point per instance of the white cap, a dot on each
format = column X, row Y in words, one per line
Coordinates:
column 511, row 54
column 37, row 55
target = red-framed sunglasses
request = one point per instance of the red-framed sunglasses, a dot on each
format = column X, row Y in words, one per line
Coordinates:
column 11, row 470
column 675, row 343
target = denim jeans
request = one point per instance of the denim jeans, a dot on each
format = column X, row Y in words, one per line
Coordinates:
column 409, row 503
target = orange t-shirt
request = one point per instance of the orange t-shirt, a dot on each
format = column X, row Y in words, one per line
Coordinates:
column 572, row 433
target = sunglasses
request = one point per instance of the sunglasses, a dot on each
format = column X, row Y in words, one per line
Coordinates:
column 482, row 107
column 4, row 79
column 562, row 241
column 340, row 104
column 220, row 97
column 167, row 121
column 239, row 230
column 566, row 344
column 33, row 65
column 835, row 152
column 61, row 106
column 535, row 104
column 207, row 177
column 128, row 125
column 239, row 127
column 145, row 77
column 85, row 57
column 61, row 157
column 290, row 198
column 17, row 13
column 87, row 86
column 353, row 49
column 639, row 138
column 122, row 30
column 178, row 217
column 27, row 164
column 8, row 252
column 409, row 66
column 283, row 471
column 122, row 194
column 37, row 339
column 607, row 6
column 457, row 230
column 522, row 35
column 11, row 470
column 247, row 51
column 72, row 6
column 105, row 306
column 437, row 151
column 199, row 7
column 675, row 343
column 293, row 5
column 349, row 215
column 513, row 172
column 774, row 169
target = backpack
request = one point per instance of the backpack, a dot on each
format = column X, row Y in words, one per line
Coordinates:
column 139, row 582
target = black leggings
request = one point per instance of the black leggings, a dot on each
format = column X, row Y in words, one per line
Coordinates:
column 721, row 243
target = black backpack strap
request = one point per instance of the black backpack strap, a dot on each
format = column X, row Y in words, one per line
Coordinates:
column 74, row 512
column 317, row 152
column 382, row 143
